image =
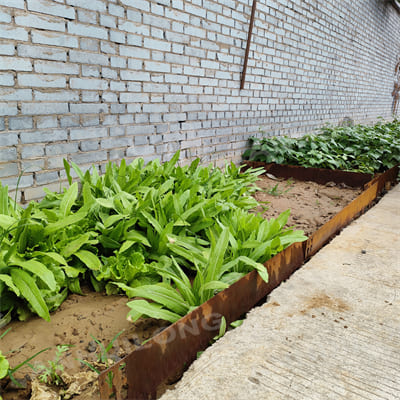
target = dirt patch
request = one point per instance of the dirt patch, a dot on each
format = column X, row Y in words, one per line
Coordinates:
column 75, row 323
column 95, row 315
column 311, row 204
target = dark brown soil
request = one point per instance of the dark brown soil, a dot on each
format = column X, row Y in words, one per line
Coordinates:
column 82, row 318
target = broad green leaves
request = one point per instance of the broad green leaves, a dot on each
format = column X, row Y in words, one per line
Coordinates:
column 360, row 148
column 129, row 229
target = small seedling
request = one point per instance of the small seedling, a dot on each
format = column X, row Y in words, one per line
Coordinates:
column 277, row 191
column 102, row 357
column 51, row 373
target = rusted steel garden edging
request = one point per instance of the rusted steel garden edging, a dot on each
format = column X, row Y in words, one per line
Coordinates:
column 162, row 359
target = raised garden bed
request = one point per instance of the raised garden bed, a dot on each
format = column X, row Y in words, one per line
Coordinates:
column 170, row 351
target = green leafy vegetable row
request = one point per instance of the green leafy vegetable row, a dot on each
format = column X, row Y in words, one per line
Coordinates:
column 139, row 229
column 359, row 148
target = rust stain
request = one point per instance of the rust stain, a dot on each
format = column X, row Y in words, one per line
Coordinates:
column 322, row 300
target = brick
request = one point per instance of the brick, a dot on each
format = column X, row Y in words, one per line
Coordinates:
column 40, row 22
column 7, row 49
column 135, row 75
column 48, row 67
column 20, row 123
column 89, row 145
column 36, row 80
column 114, row 142
column 90, row 157
column 108, row 21
column 88, row 133
column 139, row 4
column 16, row 64
column 117, row 37
column 54, row 39
column 109, row 73
column 5, row 17
column 87, row 30
column 90, row 97
column 61, row 148
column 42, row 52
column 47, row 177
column 95, row 5
column 14, row 3
column 32, row 151
column 91, row 71
column 46, row 122
column 56, row 95
column 8, row 109
column 69, row 121
column 157, row 44
column 116, row 10
column 51, row 8
column 134, row 27
column 157, row 67
column 89, row 44
column 89, row 17
column 8, row 139
column 88, row 108
column 6, row 79
column 89, row 84
column 9, row 169
column 44, row 108
column 11, row 32
column 88, row 58
column 133, row 98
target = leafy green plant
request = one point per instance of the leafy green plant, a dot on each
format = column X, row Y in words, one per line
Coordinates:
column 354, row 148
column 51, row 373
column 116, row 232
column 241, row 242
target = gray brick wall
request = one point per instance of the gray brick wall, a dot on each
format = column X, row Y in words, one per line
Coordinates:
column 95, row 81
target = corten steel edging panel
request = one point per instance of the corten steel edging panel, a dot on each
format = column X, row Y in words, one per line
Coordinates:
column 166, row 355
column 318, row 175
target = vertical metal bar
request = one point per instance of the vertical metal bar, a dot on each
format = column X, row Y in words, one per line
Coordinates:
column 246, row 56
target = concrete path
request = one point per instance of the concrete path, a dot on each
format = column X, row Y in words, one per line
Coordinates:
column 332, row 331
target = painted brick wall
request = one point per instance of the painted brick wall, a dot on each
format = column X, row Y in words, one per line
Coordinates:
column 99, row 80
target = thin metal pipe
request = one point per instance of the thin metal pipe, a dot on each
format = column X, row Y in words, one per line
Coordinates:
column 246, row 56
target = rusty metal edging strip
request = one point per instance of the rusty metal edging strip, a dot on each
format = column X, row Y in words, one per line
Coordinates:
column 167, row 354
column 164, row 357
column 318, row 175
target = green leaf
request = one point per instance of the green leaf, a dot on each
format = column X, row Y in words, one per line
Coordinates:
column 73, row 246
column 69, row 199
column 6, row 221
column 164, row 295
column 89, row 259
column 28, row 289
column 70, row 220
column 38, row 269
column 9, row 282
column 142, row 307
column 4, row 366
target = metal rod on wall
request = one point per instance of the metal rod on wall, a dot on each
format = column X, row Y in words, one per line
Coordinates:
column 246, row 56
